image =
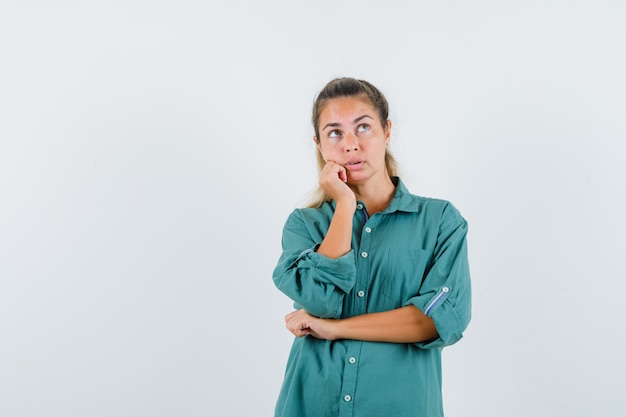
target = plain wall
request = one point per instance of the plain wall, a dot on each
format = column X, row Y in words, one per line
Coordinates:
column 150, row 152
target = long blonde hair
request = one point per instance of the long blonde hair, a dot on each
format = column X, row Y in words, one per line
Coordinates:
column 348, row 87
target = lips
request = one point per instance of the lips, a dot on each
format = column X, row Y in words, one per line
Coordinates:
column 354, row 164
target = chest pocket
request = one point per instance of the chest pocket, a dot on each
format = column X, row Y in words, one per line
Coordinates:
column 404, row 272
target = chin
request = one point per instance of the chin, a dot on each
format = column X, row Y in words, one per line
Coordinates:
column 357, row 179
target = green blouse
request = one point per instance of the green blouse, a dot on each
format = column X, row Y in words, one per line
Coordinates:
column 412, row 253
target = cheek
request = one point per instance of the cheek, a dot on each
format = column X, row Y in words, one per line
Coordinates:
column 323, row 153
column 320, row 149
column 327, row 150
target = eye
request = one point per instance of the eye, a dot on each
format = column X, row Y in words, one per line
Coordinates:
column 334, row 133
column 363, row 128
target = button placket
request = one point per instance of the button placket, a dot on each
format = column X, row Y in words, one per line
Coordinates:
column 350, row 372
column 360, row 306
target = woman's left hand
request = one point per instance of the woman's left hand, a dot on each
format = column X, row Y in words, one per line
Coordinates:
column 301, row 323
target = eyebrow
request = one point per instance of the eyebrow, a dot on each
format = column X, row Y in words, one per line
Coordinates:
column 355, row 121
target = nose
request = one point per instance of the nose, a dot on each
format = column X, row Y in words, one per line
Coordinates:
column 351, row 143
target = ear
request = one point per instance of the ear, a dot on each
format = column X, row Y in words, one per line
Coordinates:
column 388, row 132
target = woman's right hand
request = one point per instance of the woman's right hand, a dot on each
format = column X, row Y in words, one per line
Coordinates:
column 338, row 239
column 334, row 181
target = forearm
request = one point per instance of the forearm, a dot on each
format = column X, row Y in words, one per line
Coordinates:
column 403, row 325
column 338, row 239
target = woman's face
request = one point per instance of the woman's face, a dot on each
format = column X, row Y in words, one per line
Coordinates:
column 351, row 134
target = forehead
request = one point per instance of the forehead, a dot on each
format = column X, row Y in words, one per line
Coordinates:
column 348, row 108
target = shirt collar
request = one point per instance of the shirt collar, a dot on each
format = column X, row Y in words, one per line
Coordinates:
column 402, row 200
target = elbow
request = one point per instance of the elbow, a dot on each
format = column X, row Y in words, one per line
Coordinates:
column 428, row 330
column 423, row 327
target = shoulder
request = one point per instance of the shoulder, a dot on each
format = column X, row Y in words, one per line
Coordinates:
column 404, row 200
column 434, row 209
column 419, row 203
column 438, row 204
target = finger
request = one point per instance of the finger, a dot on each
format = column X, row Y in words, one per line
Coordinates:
column 296, row 322
column 301, row 332
column 298, row 328
column 332, row 167
column 336, row 170
column 294, row 314
column 343, row 175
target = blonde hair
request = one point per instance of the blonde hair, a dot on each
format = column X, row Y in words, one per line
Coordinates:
column 349, row 87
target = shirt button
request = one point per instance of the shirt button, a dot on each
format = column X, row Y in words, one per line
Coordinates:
column 361, row 293
column 347, row 398
column 359, row 206
column 352, row 360
column 364, row 254
column 368, row 230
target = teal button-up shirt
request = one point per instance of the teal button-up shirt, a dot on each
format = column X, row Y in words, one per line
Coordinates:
column 412, row 253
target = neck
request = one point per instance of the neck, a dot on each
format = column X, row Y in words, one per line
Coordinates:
column 377, row 196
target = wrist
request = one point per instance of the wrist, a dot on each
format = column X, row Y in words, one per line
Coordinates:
column 335, row 326
column 347, row 204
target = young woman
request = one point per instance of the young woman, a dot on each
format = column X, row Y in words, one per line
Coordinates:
column 379, row 277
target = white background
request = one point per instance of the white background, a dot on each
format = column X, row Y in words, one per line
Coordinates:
column 150, row 152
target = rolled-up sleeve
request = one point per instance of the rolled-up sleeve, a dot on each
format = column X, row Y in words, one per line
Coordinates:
column 313, row 281
column 445, row 294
